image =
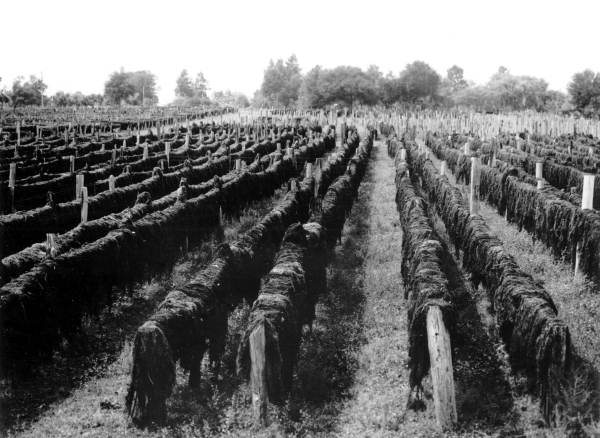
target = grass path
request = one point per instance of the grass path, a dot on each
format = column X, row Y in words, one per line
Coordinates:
column 377, row 403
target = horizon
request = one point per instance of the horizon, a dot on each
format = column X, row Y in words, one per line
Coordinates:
column 534, row 39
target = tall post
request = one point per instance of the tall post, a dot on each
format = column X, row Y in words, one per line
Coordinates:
column 168, row 153
column 442, row 376
column 474, row 189
column 12, row 178
column 84, row 204
column 587, row 203
column 79, row 178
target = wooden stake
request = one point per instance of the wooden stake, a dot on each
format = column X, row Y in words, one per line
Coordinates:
column 71, row 164
column 84, row 204
column 78, row 185
column 587, row 197
column 50, row 244
column 587, row 203
column 442, row 376
column 539, row 168
column 145, row 153
column 308, row 170
column 238, row 164
column 111, row 183
column 168, row 153
column 474, row 193
column 443, row 168
column 12, row 178
column 258, row 374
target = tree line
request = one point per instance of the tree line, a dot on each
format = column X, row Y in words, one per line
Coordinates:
column 121, row 88
column 284, row 85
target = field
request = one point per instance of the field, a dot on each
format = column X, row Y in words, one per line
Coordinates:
column 299, row 273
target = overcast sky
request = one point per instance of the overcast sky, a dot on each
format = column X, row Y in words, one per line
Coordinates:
column 77, row 44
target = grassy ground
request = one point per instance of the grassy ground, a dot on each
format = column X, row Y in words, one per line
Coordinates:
column 352, row 375
column 576, row 298
column 82, row 389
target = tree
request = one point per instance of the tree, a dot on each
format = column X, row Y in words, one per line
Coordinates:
column 455, row 78
column 231, row 99
column 584, row 90
column 134, row 88
column 191, row 93
column 184, row 86
column 76, row 99
column 376, row 78
column 282, row 81
column 343, row 85
column 392, row 90
column 119, row 88
column 200, row 86
column 310, row 94
column 144, row 84
column 419, row 81
column 27, row 92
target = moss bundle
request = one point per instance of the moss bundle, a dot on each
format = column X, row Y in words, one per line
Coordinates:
column 425, row 274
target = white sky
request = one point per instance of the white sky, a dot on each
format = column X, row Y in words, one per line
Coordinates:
column 77, row 44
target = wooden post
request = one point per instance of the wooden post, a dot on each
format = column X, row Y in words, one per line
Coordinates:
column 72, row 164
column 145, row 152
column 443, row 166
column 587, row 203
column 308, row 170
column 402, row 154
column 12, row 178
column 78, row 185
column 238, row 164
column 113, row 157
column 111, row 183
column 50, row 244
column 467, row 149
column 84, row 204
column 474, row 193
column 168, row 153
column 18, row 135
column 258, row 374
column 539, row 169
column 442, row 376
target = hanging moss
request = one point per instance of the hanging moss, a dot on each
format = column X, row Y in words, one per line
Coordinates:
column 537, row 340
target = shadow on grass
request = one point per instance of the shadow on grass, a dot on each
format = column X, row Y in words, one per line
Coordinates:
column 328, row 358
column 99, row 342
column 102, row 339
